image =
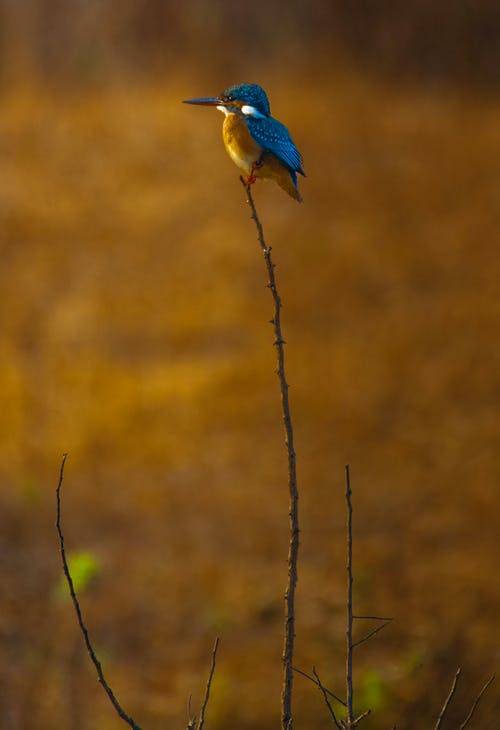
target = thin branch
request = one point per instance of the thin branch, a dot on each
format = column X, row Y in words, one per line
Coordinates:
column 97, row 664
column 191, row 725
column 209, row 684
column 371, row 633
column 293, row 549
column 374, row 618
column 314, row 681
column 350, row 646
column 327, row 701
column 448, row 700
column 476, row 702
column 361, row 717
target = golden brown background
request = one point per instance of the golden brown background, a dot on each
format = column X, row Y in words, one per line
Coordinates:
column 134, row 335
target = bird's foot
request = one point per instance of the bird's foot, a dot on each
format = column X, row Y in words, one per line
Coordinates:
column 255, row 166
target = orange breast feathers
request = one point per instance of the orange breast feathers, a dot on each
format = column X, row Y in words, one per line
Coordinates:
column 244, row 152
column 239, row 143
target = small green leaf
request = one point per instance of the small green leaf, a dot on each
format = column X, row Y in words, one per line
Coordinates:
column 83, row 567
column 373, row 690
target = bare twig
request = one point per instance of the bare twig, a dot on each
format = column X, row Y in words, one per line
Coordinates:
column 350, row 645
column 374, row 618
column 371, row 633
column 209, row 684
column 314, row 681
column 293, row 550
column 361, row 717
column 191, row 725
column 448, row 700
column 327, row 701
column 97, row 664
column 476, row 702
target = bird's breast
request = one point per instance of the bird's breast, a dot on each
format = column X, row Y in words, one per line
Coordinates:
column 239, row 143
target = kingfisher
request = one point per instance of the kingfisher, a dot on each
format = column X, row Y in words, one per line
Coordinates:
column 256, row 142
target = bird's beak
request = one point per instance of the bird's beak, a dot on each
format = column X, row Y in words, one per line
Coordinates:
column 205, row 101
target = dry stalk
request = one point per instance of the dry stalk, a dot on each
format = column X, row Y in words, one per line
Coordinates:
column 293, row 549
column 209, row 684
column 90, row 649
column 350, row 645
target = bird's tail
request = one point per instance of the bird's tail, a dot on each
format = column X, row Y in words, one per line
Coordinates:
column 274, row 169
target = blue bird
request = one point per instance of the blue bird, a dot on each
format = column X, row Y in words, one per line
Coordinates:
column 257, row 143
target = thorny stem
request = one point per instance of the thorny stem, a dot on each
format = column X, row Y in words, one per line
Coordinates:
column 476, row 702
column 448, row 700
column 315, row 681
column 293, row 550
column 209, row 684
column 350, row 645
column 327, row 701
column 90, row 649
column 371, row 633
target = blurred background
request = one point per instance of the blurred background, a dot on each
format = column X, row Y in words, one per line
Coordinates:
column 134, row 335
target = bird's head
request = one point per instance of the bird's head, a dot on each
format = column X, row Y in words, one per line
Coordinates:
column 248, row 99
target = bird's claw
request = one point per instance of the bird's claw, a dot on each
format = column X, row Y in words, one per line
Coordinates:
column 255, row 166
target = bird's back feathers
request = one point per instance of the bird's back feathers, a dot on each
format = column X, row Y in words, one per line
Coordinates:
column 274, row 137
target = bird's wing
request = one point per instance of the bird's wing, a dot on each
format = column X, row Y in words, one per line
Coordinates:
column 274, row 137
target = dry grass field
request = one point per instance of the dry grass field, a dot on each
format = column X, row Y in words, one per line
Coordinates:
column 135, row 336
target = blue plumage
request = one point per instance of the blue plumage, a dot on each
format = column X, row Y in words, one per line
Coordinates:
column 268, row 132
column 251, row 94
column 274, row 137
column 257, row 143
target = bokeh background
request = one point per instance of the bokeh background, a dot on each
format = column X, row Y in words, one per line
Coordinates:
column 134, row 335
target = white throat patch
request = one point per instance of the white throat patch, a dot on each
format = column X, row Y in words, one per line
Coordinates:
column 251, row 111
